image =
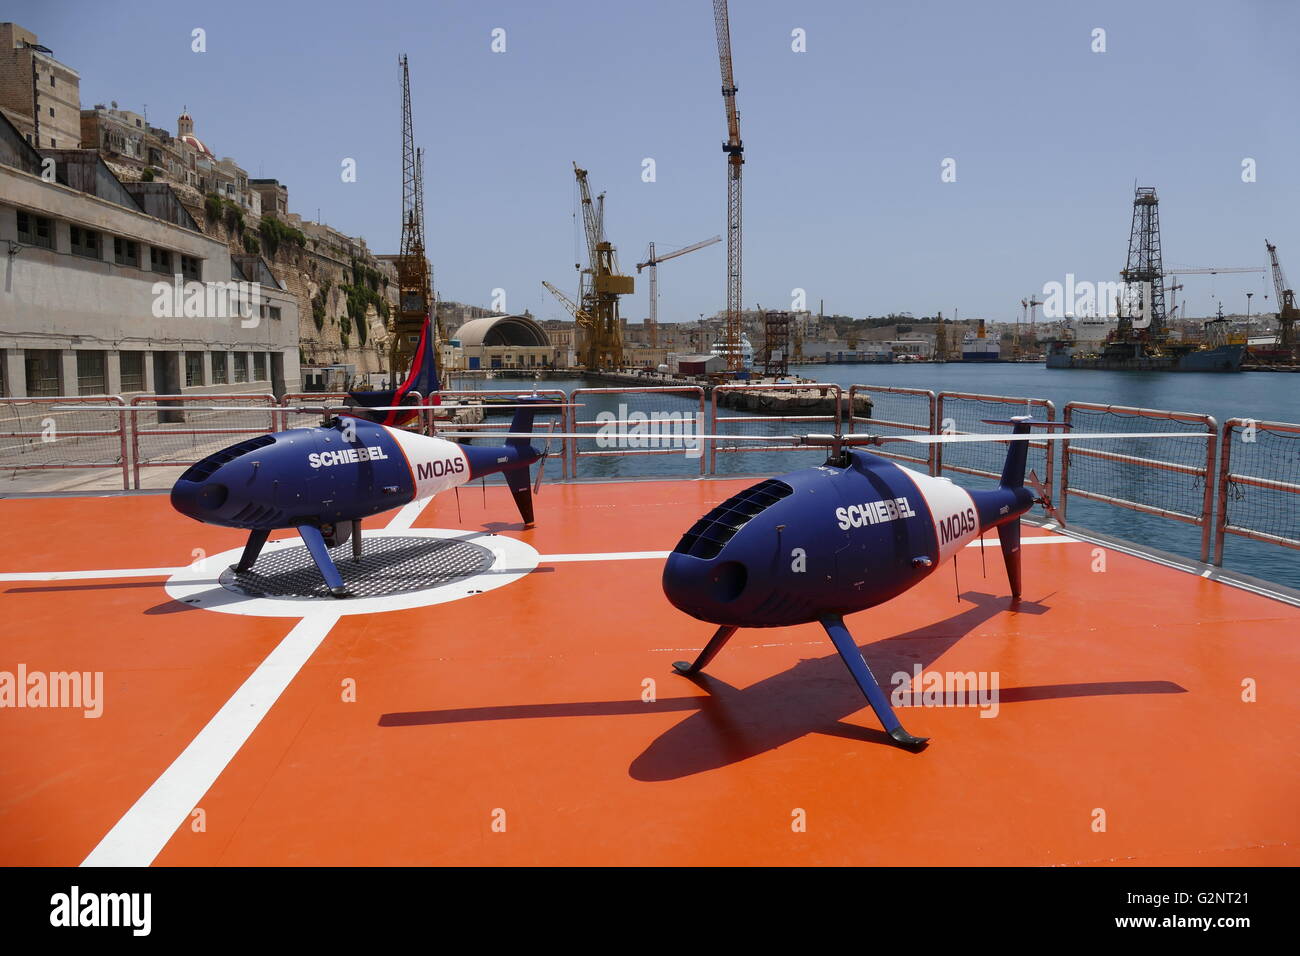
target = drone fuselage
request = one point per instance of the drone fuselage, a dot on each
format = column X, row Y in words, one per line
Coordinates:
column 830, row 540
column 329, row 475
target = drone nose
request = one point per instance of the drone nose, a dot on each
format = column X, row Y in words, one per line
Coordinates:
column 199, row 499
column 212, row 495
column 703, row 589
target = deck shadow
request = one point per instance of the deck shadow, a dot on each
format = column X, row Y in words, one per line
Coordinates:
column 729, row 725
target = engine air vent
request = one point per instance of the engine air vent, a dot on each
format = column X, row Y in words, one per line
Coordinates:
column 707, row 536
column 200, row 471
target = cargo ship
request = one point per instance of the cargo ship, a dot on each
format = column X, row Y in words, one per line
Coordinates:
column 978, row 347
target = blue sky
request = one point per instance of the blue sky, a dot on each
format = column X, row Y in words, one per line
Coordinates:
column 844, row 142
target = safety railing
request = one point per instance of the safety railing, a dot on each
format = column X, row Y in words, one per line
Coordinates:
column 180, row 434
column 440, row 417
column 962, row 412
column 35, row 435
column 894, row 410
column 642, row 422
column 774, row 410
column 1257, row 491
column 1125, row 479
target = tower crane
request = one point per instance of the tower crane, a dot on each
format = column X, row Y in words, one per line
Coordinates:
column 414, row 287
column 1172, row 291
column 735, row 151
column 652, row 262
column 1210, row 270
column 600, row 284
column 1173, row 272
column 1033, row 304
column 1027, row 317
column 1286, row 307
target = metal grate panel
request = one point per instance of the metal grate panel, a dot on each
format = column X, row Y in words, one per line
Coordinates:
column 391, row 565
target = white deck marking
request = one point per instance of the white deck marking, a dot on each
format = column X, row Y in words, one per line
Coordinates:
column 606, row 556
column 142, row 832
column 406, row 515
column 993, row 542
column 89, row 575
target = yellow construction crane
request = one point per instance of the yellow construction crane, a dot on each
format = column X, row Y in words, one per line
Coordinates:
column 1286, row 307
column 414, row 287
column 735, row 151
column 600, row 285
column 652, row 262
column 581, row 317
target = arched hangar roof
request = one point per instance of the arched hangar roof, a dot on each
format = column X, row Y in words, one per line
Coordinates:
column 502, row 330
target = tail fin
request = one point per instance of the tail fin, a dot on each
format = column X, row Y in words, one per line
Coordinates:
column 1013, row 470
column 517, row 479
column 1013, row 478
column 522, row 422
column 522, row 491
column 1009, row 538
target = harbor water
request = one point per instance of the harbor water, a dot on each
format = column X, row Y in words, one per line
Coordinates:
column 1261, row 396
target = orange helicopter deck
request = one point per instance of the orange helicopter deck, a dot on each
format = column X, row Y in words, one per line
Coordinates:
column 1134, row 713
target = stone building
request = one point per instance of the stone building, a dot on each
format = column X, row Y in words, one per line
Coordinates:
column 142, row 151
column 39, row 95
column 344, row 293
column 112, row 288
column 274, row 196
column 117, row 134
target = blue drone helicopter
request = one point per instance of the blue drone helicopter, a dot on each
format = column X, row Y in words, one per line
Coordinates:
column 816, row 544
column 324, row 480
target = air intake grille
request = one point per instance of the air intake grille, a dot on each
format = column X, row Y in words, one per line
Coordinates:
column 201, row 470
column 707, row 536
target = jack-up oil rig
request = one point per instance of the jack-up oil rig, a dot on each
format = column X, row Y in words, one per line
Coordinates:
column 1141, row 340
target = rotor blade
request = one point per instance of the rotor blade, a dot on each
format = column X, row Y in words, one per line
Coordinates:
column 1042, row 497
column 819, row 440
column 314, row 409
column 651, row 436
column 1077, row 436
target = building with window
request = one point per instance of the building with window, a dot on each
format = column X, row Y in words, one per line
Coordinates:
column 38, row 94
column 111, row 288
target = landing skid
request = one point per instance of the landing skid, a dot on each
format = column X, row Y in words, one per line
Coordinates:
column 315, row 542
column 853, row 659
column 251, row 550
column 710, row 651
column 857, row 665
column 311, row 536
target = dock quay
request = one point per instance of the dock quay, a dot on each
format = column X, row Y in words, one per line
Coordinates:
column 818, row 398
